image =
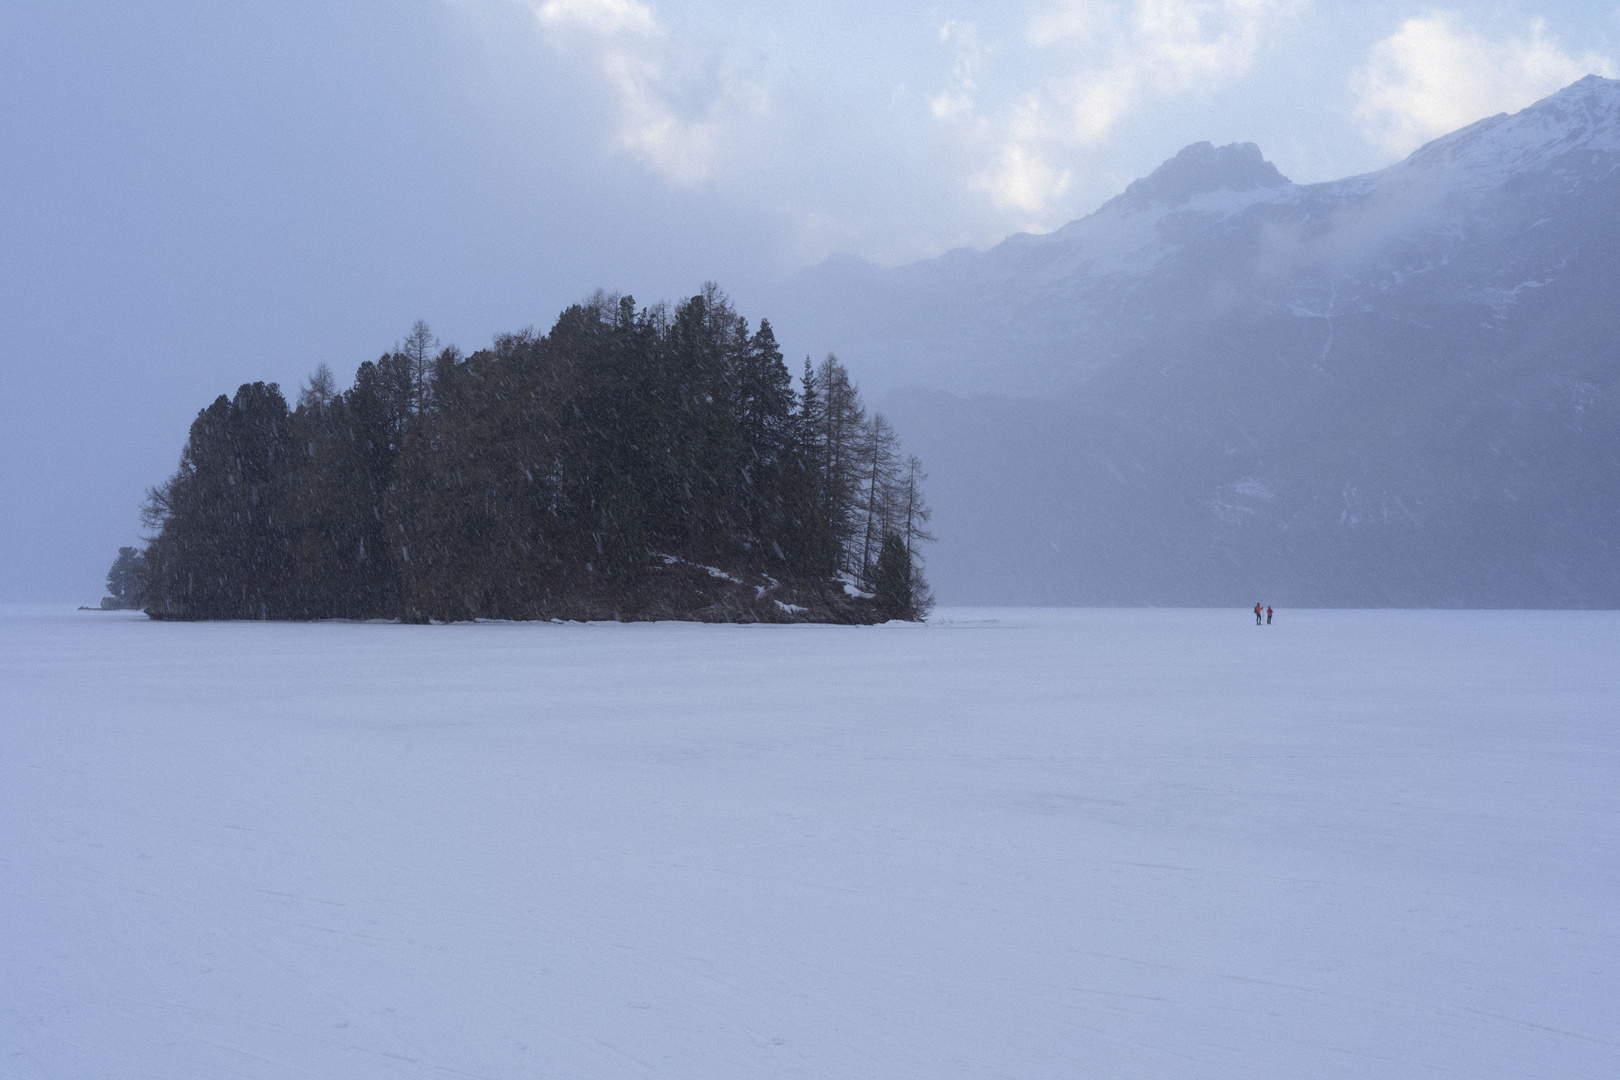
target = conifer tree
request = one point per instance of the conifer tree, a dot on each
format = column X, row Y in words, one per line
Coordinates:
column 415, row 356
column 880, row 489
column 226, row 554
column 892, row 579
column 126, row 579
column 914, row 514
column 840, row 447
column 318, row 393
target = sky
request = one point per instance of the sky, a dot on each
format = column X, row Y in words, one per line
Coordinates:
column 197, row 195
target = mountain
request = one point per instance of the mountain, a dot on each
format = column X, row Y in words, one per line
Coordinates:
column 1398, row 388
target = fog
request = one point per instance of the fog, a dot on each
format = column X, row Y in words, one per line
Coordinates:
column 192, row 197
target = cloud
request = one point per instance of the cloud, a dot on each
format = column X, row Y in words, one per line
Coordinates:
column 1160, row 49
column 1435, row 75
column 1109, row 61
column 674, row 107
column 956, row 100
column 606, row 17
column 1012, row 167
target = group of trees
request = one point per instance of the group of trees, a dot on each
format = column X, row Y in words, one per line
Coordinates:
column 499, row 484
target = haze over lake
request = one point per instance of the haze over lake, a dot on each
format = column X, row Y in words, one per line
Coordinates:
column 196, row 198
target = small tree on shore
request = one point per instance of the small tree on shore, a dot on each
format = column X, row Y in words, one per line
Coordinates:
column 126, row 581
column 891, row 579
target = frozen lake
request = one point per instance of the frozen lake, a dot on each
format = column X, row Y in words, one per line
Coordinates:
column 1021, row 844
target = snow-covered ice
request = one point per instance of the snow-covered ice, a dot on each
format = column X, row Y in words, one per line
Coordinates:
column 1022, row 844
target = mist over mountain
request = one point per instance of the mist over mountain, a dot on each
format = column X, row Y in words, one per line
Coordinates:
column 1397, row 388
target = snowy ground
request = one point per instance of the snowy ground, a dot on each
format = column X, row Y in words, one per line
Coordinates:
column 1021, row 844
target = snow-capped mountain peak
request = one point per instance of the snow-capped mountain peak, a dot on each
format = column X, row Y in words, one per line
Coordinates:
column 1198, row 188
column 1583, row 118
column 1200, row 169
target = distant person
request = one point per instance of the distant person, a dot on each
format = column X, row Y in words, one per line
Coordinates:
column 1268, row 614
column 1257, row 613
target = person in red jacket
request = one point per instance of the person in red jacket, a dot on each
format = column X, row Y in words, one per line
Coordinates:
column 1268, row 614
column 1257, row 613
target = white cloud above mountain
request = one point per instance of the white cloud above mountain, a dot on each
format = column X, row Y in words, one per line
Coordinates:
column 1099, row 64
column 674, row 105
column 1436, row 74
column 923, row 132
